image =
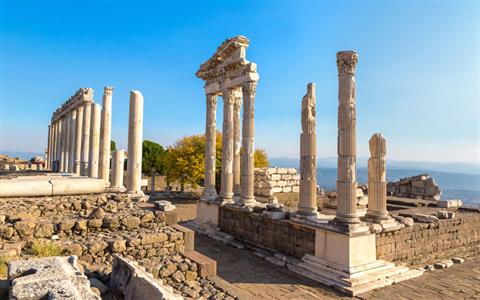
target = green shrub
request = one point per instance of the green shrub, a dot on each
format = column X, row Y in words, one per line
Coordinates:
column 45, row 248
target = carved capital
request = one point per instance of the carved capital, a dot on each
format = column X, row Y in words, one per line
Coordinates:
column 346, row 62
column 229, row 96
column 212, row 100
column 250, row 88
column 378, row 145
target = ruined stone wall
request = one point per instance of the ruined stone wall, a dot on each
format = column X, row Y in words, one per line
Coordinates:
column 274, row 235
column 269, row 181
column 420, row 186
column 427, row 243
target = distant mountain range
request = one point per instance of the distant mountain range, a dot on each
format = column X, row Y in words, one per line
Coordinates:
column 331, row 162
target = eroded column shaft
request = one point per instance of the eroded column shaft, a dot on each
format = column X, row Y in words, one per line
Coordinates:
column 118, row 159
column 249, row 90
column 85, row 155
column 209, row 191
column 78, row 141
column 135, row 135
column 72, row 140
column 227, row 147
column 236, row 142
column 377, row 182
column 106, row 134
column 94, row 141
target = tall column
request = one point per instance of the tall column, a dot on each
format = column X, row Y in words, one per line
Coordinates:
column 68, row 132
column 62, row 144
column 249, row 90
column 71, row 142
column 48, row 157
column 377, row 182
column 152, row 182
column 58, row 146
column 135, row 136
column 236, row 142
column 347, row 179
column 227, row 147
column 53, row 153
column 118, row 159
column 209, row 191
column 94, row 141
column 78, row 141
column 87, row 116
column 307, row 204
column 106, row 135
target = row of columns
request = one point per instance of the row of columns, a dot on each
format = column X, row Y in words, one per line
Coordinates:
column 79, row 142
column 347, row 180
column 237, row 168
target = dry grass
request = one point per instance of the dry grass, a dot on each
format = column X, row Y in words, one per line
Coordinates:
column 45, row 248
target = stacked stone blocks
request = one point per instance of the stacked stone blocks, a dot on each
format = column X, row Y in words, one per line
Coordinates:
column 269, row 181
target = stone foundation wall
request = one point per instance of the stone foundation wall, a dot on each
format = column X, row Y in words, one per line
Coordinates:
column 268, row 181
column 427, row 243
column 420, row 186
column 274, row 235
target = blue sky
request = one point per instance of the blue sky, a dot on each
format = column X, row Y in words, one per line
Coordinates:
column 417, row 76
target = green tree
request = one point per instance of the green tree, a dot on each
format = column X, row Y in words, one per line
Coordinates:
column 260, row 158
column 153, row 156
column 113, row 146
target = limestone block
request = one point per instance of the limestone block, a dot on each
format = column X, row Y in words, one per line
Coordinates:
column 449, row 203
column 287, row 189
column 282, row 171
column 277, row 189
column 292, row 171
column 281, row 183
column 296, row 189
column 271, row 171
column 275, row 177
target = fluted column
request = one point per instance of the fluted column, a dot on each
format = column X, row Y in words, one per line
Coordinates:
column 63, row 144
column 135, row 136
column 249, row 90
column 377, row 182
column 78, row 141
column 347, row 178
column 94, row 141
column 85, row 155
column 307, row 204
column 118, row 159
column 58, row 146
column 227, row 147
column 236, row 142
column 71, row 141
column 48, row 157
column 106, row 135
column 68, row 123
column 209, row 191
column 52, row 151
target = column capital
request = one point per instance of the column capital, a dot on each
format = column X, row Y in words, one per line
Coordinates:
column 249, row 87
column 346, row 62
column 211, row 99
column 229, row 96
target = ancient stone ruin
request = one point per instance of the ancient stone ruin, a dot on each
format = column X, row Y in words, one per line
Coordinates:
column 420, row 186
column 271, row 181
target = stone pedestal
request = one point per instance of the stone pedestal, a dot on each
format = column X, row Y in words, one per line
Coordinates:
column 118, row 160
column 208, row 213
column 226, row 192
column 78, row 141
column 94, row 141
column 105, row 136
column 85, row 155
column 209, row 191
column 307, row 205
column 135, row 135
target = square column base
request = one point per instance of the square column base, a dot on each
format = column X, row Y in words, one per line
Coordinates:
column 208, row 213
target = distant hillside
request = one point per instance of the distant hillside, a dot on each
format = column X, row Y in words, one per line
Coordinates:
column 22, row 155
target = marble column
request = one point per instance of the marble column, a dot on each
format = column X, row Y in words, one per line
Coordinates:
column 85, row 155
column 52, row 157
column 48, row 157
column 66, row 157
column 63, row 136
column 118, row 160
column 78, row 141
column 106, row 135
column 236, row 143
column 307, row 205
column 152, row 182
column 72, row 139
column 135, row 136
column 247, row 168
column 58, row 149
column 94, row 141
column 347, row 178
column 209, row 191
column 226, row 191
column 377, row 181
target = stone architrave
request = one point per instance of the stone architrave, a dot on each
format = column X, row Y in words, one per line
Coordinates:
column 377, row 181
column 118, row 160
column 347, row 178
column 106, row 135
column 209, row 192
column 135, row 135
column 85, row 155
column 78, row 141
column 249, row 90
column 236, row 143
column 71, row 141
column 94, row 141
column 227, row 147
column 307, row 205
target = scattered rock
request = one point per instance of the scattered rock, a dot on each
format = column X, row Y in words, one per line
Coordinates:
column 458, row 260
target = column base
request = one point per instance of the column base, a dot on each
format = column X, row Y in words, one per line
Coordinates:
column 350, row 228
column 386, row 223
column 248, row 201
column 208, row 213
column 116, row 189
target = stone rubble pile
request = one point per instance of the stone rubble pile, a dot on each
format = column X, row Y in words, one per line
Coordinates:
column 420, row 186
column 268, row 181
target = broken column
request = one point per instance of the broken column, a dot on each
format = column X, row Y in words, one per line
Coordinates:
column 377, row 185
column 94, row 141
column 307, row 205
column 236, row 143
column 152, row 182
column 118, row 160
column 78, row 141
column 209, row 192
column 135, row 135
column 106, row 134
column 227, row 147
column 347, row 179
column 249, row 90
column 85, row 155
